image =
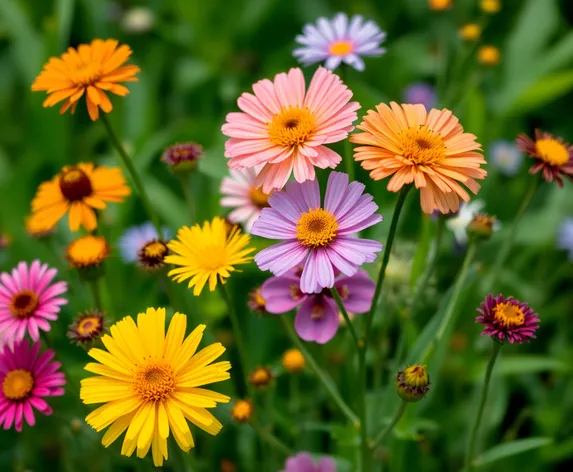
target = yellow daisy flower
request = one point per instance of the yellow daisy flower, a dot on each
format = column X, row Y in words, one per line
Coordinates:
column 207, row 253
column 149, row 382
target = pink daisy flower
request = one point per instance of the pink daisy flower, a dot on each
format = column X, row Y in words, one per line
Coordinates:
column 286, row 129
column 507, row 319
column 317, row 318
column 27, row 300
column 26, row 379
column 318, row 237
column 239, row 192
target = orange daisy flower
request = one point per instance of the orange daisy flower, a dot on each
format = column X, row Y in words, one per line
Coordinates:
column 78, row 189
column 92, row 69
column 427, row 148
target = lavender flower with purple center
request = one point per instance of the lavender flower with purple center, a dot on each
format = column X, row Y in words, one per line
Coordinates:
column 420, row 92
column 340, row 40
column 507, row 319
column 317, row 318
column 133, row 239
column 565, row 237
column 318, row 237
column 303, row 462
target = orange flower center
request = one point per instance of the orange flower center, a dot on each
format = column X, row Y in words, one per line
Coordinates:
column 258, row 298
column 89, row 325
column 421, row 145
column 317, row 312
column 552, row 151
column 341, row 48
column 17, row 384
column 154, row 381
column 259, row 198
column 291, row 127
column 509, row 315
column 316, row 228
column 295, row 292
column 24, row 303
column 86, row 74
column 75, row 184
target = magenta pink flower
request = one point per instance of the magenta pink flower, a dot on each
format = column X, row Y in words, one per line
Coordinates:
column 318, row 315
column 318, row 237
column 26, row 379
column 28, row 301
column 303, row 462
column 286, row 128
column 507, row 319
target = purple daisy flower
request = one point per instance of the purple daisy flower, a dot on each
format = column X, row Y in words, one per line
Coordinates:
column 303, row 462
column 317, row 318
column 565, row 237
column 420, row 92
column 133, row 239
column 318, row 237
column 507, row 318
column 339, row 40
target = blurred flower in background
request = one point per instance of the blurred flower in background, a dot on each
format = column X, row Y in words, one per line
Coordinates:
column 438, row 5
column 182, row 157
column 490, row 6
column 138, row 20
column 340, row 40
column 87, row 252
column 458, row 224
column 242, row 411
column 489, row 55
column 303, row 462
column 293, row 361
column 470, row 32
column 506, row 157
column 86, row 327
column 565, row 237
column 256, row 302
column 5, row 241
column 134, row 238
column 420, row 92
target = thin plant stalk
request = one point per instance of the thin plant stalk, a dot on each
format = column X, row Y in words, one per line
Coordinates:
column 270, row 438
column 342, row 309
column 473, row 435
column 95, row 288
column 386, row 431
column 188, row 195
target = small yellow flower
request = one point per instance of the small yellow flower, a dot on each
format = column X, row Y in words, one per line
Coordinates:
column 261, row 377
column 242, row 411
column 489, row 55
column 438, row 5
column 207, row 253
column 293, row 361
column 490, row 6
column 87, row 251
column 470, row 32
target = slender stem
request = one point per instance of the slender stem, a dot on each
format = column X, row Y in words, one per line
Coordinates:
column 270, row 438
column 96, row 293
column 321, row 374
column 472, row 442
column 188, row 195
column 451, row 307
column 508, row 242
column 385, row 432
column 128, row 163
column 362, row 381
column 342, row 308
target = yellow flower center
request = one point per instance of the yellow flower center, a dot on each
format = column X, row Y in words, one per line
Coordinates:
column 341, row 48
column 317, row 312
column 87, row 251
column 552, row 151
column 259, row 300
column 87, row 74
column 422, row 146
column 24, row 303
column 295, row 292
column 75, row 185
column 291, row 127
column 155, row 249
column 89, row 325
column 17, row 384
column 509, row 315
column 416, row 376
column 154, row 381
column 316, row 228
column 259, row 198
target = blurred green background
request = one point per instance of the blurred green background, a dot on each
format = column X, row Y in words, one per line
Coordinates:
column 196, row 58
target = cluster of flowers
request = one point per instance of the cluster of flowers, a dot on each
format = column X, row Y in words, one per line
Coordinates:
column 150, row 380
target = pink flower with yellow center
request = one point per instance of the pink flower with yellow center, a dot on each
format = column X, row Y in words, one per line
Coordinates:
column 284, row 127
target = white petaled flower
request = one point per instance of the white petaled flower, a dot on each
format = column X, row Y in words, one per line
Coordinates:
column 239, row 192
column 340, row 40
column 458, row 224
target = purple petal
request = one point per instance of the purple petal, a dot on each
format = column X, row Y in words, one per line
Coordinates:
column 278, row 294
column 281, row 257
column 359, row 289
column 321, row 327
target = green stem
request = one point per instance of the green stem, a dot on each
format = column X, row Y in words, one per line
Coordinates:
column 508, row 242
column 270, row 438
column 472, row 442
column 320, row 373
column 362, row 381
column 385, row 432
column 188, row 195
column 342, row 308
column 128, row 163
column 451, row 307
column 96, row 293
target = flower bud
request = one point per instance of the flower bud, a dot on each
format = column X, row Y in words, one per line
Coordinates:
column 256, row 303
column 293, row 361
column 182, row 158
column 242, row 411
column 489, row 55
column 261, row 377
column 412, row 383
column 481, row 226
column 470, row 32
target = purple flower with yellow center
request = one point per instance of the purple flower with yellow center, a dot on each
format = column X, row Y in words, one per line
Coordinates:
column 316, row 236
column 317, row 318
column 303, row 462
column 420, row 92
column 339, row 40
column 506, row 318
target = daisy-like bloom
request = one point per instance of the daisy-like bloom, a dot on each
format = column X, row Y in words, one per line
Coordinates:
column 293, row 361
column 261, row 377
column 182, row 157
column 506, row 318
column 133, row 239
column 506, row 157
column 27, row 378
column 565, row 237
column 303, row 462
column 240, row 193
column 285, row 128
column 91, row 69
column 207, row 253
column 553, row 156
column 87, row 327
column 242, row 411
column 429, row 149
column 318, row 236
column 317, row 318
column 87, row 251
column 340, row 40
column 470, row 32
column 29, row 300
column 152, row 255
column 78, row 189
column 413, row 383
column 489, row 55
column 256, row 302
column 420, row 92
column 458, row 224
column 151, row 383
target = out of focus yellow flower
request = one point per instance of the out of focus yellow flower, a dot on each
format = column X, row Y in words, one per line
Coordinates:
column 489, row 55
column 470, row 32
column 438, row 5
column 490, row 6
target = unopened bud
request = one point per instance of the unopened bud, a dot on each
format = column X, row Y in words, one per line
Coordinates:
column 413, row 383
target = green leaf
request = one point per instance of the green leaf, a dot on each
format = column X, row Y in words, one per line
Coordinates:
column 64, row 15
column 509, row 449
column 522, row 364
column 543, row 91
column 422, row 250
column 560, row 56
